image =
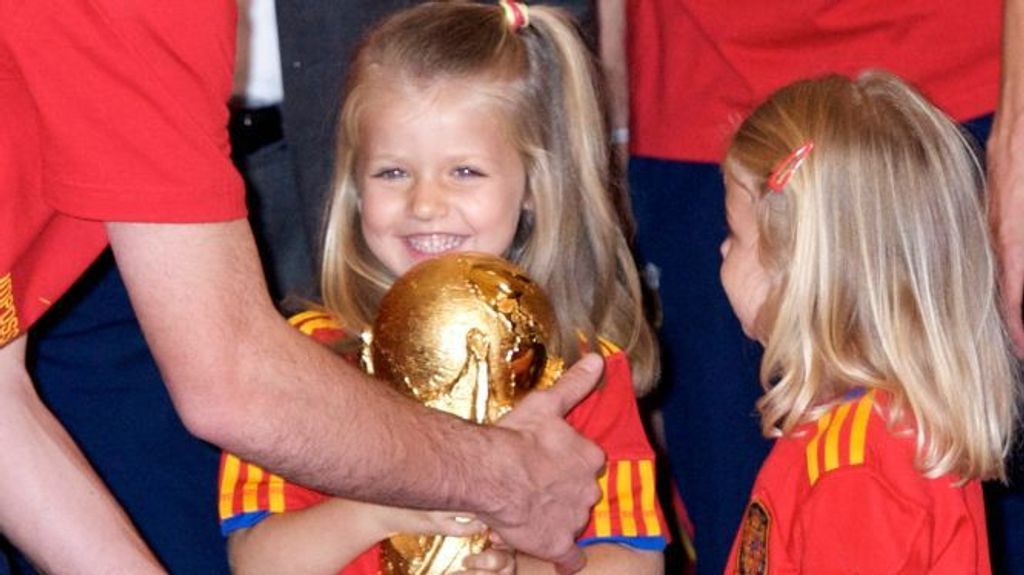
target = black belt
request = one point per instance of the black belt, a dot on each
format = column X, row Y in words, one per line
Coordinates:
column 254, row 128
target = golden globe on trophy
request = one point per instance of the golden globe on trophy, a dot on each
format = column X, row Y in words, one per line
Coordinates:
column 469, row 334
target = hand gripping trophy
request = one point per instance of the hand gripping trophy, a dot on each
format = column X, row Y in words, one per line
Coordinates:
column 469, row 334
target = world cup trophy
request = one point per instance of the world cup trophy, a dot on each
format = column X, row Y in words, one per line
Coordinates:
column 469, row 334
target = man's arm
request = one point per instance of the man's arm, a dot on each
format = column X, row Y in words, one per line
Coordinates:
column 52, row 504
column 242, row 379
column 611, row 18
column 1005, row 158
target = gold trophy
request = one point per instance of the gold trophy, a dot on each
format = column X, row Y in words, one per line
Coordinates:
column 469, row 334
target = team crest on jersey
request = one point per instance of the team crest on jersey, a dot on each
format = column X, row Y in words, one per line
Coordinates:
column 753, row 559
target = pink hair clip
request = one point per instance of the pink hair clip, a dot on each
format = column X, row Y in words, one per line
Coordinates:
column 516, row 14
column 785, row 169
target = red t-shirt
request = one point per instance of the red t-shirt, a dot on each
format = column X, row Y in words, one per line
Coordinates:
column 628, row 513
column 110, row 111
column 697, row 67
column 841, row 495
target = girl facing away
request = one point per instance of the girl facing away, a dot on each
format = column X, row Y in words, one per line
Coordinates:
column 471, row 127
column 859, row 256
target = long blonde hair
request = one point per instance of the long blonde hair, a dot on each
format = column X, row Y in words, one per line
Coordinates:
column 884, row 273
column 541, row 81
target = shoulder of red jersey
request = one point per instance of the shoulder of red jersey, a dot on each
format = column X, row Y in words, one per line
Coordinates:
column 840, row 437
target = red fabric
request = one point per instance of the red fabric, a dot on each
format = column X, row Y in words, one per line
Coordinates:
column 111, row 111
column 609, row 417
column 698, row 67
column 879, row 516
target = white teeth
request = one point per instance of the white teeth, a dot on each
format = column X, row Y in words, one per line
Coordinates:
column 434, row 243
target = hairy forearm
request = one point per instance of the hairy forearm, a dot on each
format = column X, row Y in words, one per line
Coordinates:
column 612, row 47
column 246, row 381
column 1007, row 140
column 1013, row 46
column 52, row 504
column 1005, row 161
column 1011, row 93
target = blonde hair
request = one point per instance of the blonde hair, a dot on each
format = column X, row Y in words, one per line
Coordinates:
column 541, row 81
column 884, row 274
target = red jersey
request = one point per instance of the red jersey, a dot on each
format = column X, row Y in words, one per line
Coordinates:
column 111, row 111
column 697, row 67
column 628, row 512
column 842, row 495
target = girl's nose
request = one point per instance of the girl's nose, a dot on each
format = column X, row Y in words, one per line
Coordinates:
column 428, row 200
column 724, row 248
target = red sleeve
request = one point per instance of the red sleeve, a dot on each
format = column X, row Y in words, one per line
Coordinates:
column 628, row 512
column 131, row 106
column 855, row 519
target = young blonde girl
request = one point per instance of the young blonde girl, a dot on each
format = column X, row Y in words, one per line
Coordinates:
column 472, row 127
column 858, row 254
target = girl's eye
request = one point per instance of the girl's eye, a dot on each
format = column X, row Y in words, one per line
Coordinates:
column 389, row 173
column 467, row 172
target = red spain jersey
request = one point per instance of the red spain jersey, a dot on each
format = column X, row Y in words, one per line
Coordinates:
column 842, row 495
column 628, row 512
column 109, row 111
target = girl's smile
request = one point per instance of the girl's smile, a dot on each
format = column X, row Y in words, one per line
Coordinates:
column 437, row 173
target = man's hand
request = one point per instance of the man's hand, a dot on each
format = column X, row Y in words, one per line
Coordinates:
column 549, row 499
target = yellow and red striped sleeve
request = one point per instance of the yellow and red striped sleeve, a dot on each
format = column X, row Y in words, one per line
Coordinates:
column 248, row 494
column 840, row 438
column 629, row 512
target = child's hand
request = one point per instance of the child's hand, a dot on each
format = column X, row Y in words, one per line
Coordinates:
column 499, row 559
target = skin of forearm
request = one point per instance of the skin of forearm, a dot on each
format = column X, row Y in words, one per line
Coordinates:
column 612, row 47
column 602, row 559
column 1007, row 139
column 1013, row 37
column 311, row 541
column 246, row 381
column 1005, row 160
column 391, row 436
column 52, row 505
